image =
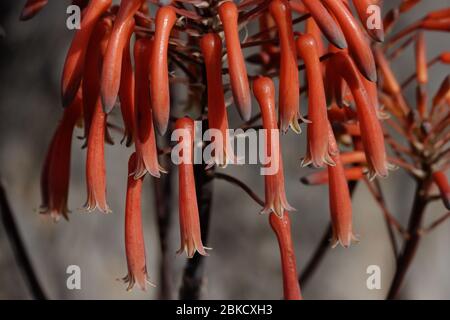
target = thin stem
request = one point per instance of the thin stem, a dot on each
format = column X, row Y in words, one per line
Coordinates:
column 18, row 247
column 242, row 185
column 411, row 245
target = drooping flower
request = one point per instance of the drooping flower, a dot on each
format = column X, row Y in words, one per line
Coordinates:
column 238, row 73
column 56, row 172
column 339, row 198
column 159, row 74
column 191, row 240
column 317, row 150
column 363, row 8
column 134, row 237
column 275, row 195
column 145, row 139
column 31, row 8
column 358, row 46
column 95, row 159
column 282, row 228
column 289, row 95
column 371, row 131
column 112, row 66
column 75, row 59
column 211, row 46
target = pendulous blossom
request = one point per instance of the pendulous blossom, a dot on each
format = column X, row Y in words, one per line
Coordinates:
column 282, row 228
column 317, row 150
column 238, row 73
column 75, row 59
column 95, row 159
column 358, row 45
column 159, row 74
column 56, row 172
column 190, row 235
column 339, row 198
column 211, row 46
column 145, row 139
column 120, row 35
column 371, row 131
column 134, row 237
column 289, row 95
column 275, row 195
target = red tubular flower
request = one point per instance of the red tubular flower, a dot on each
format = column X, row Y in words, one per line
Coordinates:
column 313, row 29
column 321, row 177
column 361, row 7
column 74, row 64
column 126, row 93
column 340, row 200
column 289, row 95
column 211, row 46
column 191, row 240
column 318, row 150
column 159, row 75
column 282, row 228
column 358, row 45
column 441, row 181
column 326, row 23
column 238, row 73
column 92, row 71
column 56, row 172
column 146, row 149
column 371, row 131
column 95, row 160
column 422, row 73
column 134, row 237
column 32, row 7
column 275, row 195
column 112, row 65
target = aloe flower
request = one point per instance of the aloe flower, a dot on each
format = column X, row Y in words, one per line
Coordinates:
column 134, row 237
column 275, row 195
column 318, row 152
column 31, row 8
column 289, row 95
column 191, row 240
column 440, row 179
column 364, row 14
column 238, row 73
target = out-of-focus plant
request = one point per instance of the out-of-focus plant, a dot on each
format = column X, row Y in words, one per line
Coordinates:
column 356, row 109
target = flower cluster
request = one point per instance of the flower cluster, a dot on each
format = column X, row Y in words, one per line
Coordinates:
column 125, row 53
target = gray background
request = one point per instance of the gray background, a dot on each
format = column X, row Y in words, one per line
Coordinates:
column 245, row 261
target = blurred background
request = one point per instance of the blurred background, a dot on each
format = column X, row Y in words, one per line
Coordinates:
column 244, row 262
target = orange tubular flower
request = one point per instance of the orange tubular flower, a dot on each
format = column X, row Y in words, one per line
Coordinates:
column 318, row 150
column 282, row 228
column 422, row 73
column 112, row 65
column 321, row 177
column 56, row 172
column 238, row 73
column 289, row 95
column 74, row 64
column 32, row 7
column 326, row 23
column 275, row 195
column 145, row 140
column 211, row 46
column 95, row 161
column 92, row 71
column 371, row 131
column 441, row 181
column 358, row 45
column 191, row 240
column 361, row 7
column 126, row 93
column 134, row 237
column 340, row 200
column 313, row 29
column 159, row 75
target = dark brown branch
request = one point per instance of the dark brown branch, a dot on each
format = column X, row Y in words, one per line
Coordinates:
column 18, row 247
column 240, row 184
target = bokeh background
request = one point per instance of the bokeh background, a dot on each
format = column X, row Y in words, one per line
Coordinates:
column 244, row 263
